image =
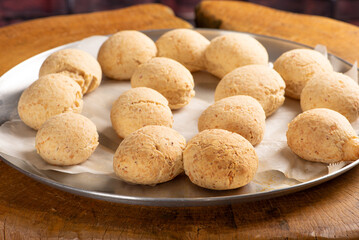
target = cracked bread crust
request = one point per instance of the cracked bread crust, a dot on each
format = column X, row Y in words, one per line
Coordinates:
column 332, row 90
column 139, row 107
column 48, row 96
column 66, row 139
column 121, row 54
column 150, row 155
column 228, row 52
column 258, row 81
column 169, row 78
column 185, row 46
column 323, row 135
column 240, row 114
column 76, row 64
column 298, row 66
column 220, row 160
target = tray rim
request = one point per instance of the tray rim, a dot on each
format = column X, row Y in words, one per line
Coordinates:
column 177, row 202
column 182, row 202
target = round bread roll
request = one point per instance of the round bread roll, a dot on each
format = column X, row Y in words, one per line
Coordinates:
column 185, row 46
column 332, row 90
column 228, row 52
column 66, row 139
column 77, row 64
column 323, row 135
column 48, row 96
column 298, row 66
column 168, row 77
column 139, row 107
column 121, row 54
column 258, row 81
column 150, row 155
column 220, row 160
column 240, row 114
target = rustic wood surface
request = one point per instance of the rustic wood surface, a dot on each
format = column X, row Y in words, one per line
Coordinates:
column 31, row 210
column 341, row 39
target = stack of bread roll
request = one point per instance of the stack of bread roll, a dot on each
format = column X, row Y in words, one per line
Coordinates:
column 222, row 155
column 53, row 103
column 330, row 101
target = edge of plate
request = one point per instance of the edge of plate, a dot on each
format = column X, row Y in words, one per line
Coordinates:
column 179, row 202
column 182, row 202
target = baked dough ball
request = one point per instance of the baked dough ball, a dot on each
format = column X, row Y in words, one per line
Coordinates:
column 150, row 155
column 77, row 64
column 332, row 90
column 240, row 114
column 123, row 52
column 323, row 135
column 185, row 46
column 66, row 139
column 228, row 52
column 48, row 96
column 298, row 66
column 220, row 160
column 168, row 77
column 258, row 81
column 139, row 107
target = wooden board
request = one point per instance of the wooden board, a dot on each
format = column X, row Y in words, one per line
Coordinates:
column 341, row 39
column 31, row 210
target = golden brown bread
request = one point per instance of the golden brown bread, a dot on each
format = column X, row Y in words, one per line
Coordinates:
column 77, row 64
column 150, row 155
column 258, row 81
column 240, row 114
column 332, row 90
column 121, row 54
column 168, row 77
column 220, row 160
column 228, row 52
column 66, row 139
column 185, row 46
column 298, row 66
column 48, row 96
column 323, row 135
column 139, row 107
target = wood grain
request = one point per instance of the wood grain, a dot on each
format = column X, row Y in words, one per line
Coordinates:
column 31, row 210
column 341, row 39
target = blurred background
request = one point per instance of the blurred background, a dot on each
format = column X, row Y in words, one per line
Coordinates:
column 13, row 11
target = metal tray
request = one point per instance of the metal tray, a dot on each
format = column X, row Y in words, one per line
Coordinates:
column 178, row 192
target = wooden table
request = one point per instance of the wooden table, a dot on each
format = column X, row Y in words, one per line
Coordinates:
column 31, row 210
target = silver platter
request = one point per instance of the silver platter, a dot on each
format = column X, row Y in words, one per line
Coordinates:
column 178, row 192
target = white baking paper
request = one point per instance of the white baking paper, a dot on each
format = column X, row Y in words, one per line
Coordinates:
column 352, row 72
column 278, row 165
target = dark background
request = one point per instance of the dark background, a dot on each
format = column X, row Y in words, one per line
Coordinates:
column 13, row 11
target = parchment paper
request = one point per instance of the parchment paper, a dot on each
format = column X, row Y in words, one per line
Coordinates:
column 278, row 165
